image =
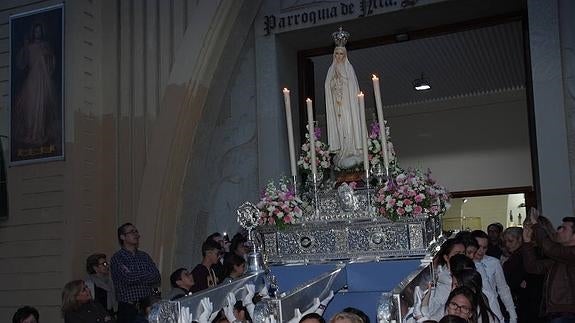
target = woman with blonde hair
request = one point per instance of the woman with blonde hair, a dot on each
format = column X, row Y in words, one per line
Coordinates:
column 345, row 317
column 79, row 307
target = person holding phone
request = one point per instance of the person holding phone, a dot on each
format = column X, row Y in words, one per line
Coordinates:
column 558, row 267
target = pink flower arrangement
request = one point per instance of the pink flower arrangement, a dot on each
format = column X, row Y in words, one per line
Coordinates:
column 409, row 193
column 322, row 156
column 279, row 204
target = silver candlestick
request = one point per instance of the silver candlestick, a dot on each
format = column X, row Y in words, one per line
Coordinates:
column 380, row 174
column 248, row 216
column 368, row 188
column 315, row 196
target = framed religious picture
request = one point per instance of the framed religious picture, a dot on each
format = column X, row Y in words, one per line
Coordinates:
column 37, row 86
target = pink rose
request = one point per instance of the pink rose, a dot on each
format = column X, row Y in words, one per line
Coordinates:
column 400, row 211
column 417, row 210
column 419, row 197
column 287, row 219
column 407, row 202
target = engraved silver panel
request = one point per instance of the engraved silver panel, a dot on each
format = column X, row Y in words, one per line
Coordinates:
column 376, row 238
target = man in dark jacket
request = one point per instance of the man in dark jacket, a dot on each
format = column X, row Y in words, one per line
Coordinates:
column 559, row 266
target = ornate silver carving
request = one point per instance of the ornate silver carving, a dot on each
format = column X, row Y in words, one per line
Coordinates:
column 347, row 198
column 248, row 216
column 164, row 312
column 376, row 238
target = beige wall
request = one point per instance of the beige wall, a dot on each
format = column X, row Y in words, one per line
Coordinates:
column 129, row 116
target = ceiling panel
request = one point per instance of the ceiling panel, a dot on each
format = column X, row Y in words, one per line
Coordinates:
column 467, row 63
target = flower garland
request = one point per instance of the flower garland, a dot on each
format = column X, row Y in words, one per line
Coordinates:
column 409, row 193
column 279, row 205
column 322, row 156
column 374, row 146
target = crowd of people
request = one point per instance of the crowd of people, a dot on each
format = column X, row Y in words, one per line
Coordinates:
column 513, row 275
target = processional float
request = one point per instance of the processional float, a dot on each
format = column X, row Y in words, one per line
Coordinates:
column 371, row 211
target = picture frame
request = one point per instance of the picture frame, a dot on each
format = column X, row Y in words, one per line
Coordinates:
column 37, row 86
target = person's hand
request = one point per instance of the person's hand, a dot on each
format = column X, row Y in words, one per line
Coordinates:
column 229, row 308
column 527, row 233
column 315, row 305
column 185, row 315
column 250, row 292
column 533, row 215
column 296, row 316
column 264, row 292
column 324, row 303
column 247, row 300
column 204, row 310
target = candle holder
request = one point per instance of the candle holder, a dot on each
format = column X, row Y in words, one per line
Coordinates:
column 380, row 174
column 315, row 196
column 248, row 216
column 294, row 181
column 368, row 189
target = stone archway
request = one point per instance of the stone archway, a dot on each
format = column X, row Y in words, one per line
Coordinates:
column 215, row 27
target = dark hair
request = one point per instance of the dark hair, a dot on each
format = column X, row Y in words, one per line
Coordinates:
column 146, row 302
column 357, row 312
column 471, row 279
column 231, row 260
column 460, row 262
column 121, row 232
column 498, row 225
column 446, row 248
column 570, row 219
column 239, row 306
column 221, row 316
column 313, row 316
column 213, row 235
column 467, row 239
column 479, row 234
column 175, row 276
column 452, row 319
column 210, row 245
column 93, row 261
column 24, row 312
column 237, row 241
column 471, row 297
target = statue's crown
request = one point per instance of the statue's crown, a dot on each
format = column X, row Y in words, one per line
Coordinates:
column 340, row 37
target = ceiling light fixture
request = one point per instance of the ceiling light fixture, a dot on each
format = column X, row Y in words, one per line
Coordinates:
column 421, row 84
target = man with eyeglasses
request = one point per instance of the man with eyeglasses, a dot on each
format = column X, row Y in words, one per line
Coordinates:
column 134, row 273
column 204, row 275
column 100, row 283
column 558, row 304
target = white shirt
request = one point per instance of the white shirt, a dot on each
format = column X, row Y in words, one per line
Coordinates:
column 494, row 283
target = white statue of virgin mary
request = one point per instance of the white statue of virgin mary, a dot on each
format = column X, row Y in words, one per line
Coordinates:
column 342, row 107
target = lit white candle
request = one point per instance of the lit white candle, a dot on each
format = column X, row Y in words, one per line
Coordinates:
column 381, row 120
column 311, row 137
column 360, row 96
column 290, row 133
